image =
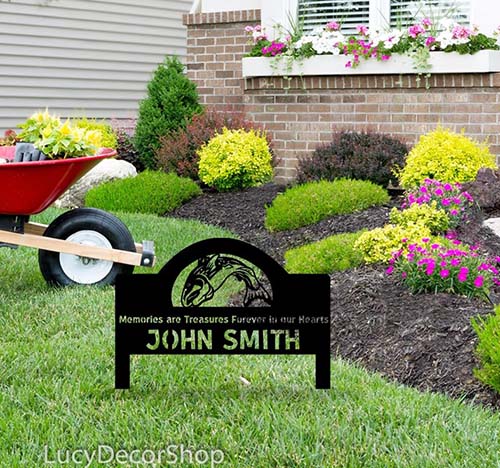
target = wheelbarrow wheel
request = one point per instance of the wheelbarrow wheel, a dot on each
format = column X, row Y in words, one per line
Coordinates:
column 87, row 226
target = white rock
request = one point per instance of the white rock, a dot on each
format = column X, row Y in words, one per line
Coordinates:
column 494, row 225
column 109, row 169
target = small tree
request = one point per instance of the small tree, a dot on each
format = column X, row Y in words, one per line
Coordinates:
column 171, row 102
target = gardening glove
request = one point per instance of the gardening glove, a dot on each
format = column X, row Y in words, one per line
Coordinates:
column 27, row 152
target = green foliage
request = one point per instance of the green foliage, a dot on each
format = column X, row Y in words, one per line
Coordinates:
column 446, row 156
column 488, row 348
column 149, row 192
column 108, row 137
column 309, row 203
column 59, row 140
column 335, row 253
column 428, row 215
column 235, row 159
column 178, row 149
column 171, row 102
column 380, row 244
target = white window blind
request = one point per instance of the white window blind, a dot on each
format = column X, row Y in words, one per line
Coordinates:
column 405, row 12
column 349, row 13
column 397, row 13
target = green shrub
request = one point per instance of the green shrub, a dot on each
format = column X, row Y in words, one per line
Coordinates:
column 108, row 137
column 171, row 102
column 488, row 348
column 309, row 203
column 380, row 244
column 446, row 156
column 335, row 253
column 354, row 155
column 178, row 150
column 235, row 159
column 149, row 192
column 428, row 215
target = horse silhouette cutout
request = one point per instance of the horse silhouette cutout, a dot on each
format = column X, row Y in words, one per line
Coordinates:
column 212, row 272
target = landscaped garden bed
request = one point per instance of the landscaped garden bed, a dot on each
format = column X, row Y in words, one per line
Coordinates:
column 424, row 340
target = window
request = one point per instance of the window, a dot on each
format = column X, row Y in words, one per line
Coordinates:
column 348, row 12
column 314, row 13
column 404, row 12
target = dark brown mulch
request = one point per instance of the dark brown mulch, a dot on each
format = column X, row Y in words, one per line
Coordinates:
column 424, row 341
column 243, row 213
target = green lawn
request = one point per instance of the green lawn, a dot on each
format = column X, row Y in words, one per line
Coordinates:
column 57, row 377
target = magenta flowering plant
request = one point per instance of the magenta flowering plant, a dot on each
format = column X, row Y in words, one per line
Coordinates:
column 273, row 49
column 363, row 47
column 449, row 266
column 451, row 198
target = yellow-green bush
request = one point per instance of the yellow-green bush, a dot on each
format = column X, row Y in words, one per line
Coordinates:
column 335, row 253
column 235, row 159
column 312, row 202
column 446, row 156
column 488, row 348
column 428, row 215
column 378, row 245
column 108, row 135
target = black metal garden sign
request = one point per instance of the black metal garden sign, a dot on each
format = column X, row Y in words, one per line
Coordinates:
column 295, row 318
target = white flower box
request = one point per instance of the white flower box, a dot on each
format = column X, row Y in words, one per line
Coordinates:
column 441, row 62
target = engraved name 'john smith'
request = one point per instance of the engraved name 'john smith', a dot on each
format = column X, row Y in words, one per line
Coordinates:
column 198, row 340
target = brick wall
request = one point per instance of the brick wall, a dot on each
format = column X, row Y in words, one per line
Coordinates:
column 302, row 113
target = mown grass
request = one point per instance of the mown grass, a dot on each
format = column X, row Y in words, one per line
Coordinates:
column 309, row 203
column 335, row 253
column 57, row 377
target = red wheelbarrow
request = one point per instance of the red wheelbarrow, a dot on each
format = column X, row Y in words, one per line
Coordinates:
column 82, row 246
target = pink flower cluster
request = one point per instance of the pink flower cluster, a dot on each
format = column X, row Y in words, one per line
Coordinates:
column 449, row 197
column 449, row 267
column 256, row 32
column 333, row 26
column 276, row 48
column 461, row 32
column 362, row 48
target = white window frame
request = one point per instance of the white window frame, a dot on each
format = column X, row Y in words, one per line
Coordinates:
column 484, row 13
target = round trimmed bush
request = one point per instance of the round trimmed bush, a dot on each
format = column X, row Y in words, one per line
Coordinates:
column 235, row 159
column 446, row 156
column 335, row 253
column 150, row 192
column 309, row 203
column 108, row 136
column 178, row 149
column 354, row 155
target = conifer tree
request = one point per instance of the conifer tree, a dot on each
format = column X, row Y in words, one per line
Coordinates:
column 171, row 102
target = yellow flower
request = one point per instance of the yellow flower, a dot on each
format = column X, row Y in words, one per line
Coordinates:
column 47, row 131
column 65, row 129
column 94, row 137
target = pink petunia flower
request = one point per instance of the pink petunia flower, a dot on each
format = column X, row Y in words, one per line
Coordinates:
column 444, row 273
column 430, row 41
column 333, row 26
column 478, row 282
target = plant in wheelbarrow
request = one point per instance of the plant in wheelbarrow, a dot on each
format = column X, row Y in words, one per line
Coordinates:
column 83, row 246
column 54, row 139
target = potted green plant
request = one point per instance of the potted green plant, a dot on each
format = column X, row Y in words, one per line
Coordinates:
column 54, row 139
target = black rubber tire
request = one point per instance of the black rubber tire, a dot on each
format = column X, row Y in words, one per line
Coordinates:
column 85, row 219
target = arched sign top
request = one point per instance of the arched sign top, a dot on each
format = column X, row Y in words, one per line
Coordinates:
column 215, row 257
